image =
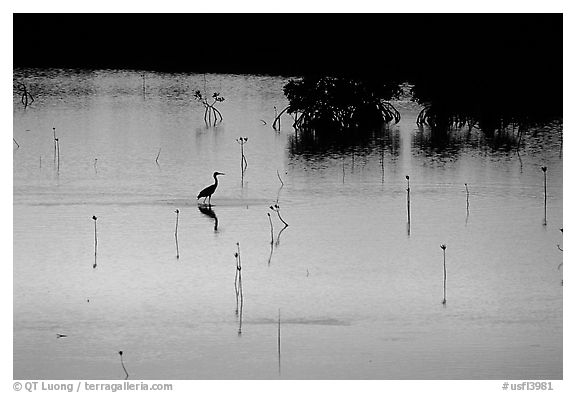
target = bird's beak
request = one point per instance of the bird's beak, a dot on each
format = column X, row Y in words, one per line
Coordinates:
column 221, row 173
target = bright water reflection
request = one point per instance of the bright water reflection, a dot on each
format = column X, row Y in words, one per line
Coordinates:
column 359, row 297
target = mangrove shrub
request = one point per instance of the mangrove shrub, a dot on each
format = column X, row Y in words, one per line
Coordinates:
column 338, row 103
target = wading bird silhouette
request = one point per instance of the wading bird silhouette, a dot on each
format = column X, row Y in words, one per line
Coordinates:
column 208, row 191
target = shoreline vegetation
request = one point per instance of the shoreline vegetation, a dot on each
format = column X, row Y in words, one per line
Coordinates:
column 498, row 73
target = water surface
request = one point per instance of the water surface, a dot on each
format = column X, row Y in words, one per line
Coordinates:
column 359, row 295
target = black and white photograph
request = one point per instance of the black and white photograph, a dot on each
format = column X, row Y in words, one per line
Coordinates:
column 287, row 196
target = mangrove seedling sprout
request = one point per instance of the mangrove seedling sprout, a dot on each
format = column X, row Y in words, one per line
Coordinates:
column 209, row 109
column 95, row 241
column 443, row 247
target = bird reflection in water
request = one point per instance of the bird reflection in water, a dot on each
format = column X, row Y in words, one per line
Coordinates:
column 278, row 237
column 240, row 317
column 238, row 289
column 207, row 210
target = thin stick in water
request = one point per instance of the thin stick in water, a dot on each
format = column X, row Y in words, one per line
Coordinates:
column 271, row 239
column 95, row 241
column 244, row 156
column 408, row 202
column 58, row 152
column 54, row 151
column 279, row 363
column 240, row 318
column 158, row 155
column 54, row 132
column 243, row 161
column 544, row 169
column 279, row 178
column 280, row 188
column 176, row 234
column 17, row 144
column 239, row 287
column 240, row 276
column 122, row 362
column 238, row 280
column 443, row 247
column 561, row 249
column 271, row 229
column 467, row 202
column 382, row 160
column 271, row 252
column 236, row 289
